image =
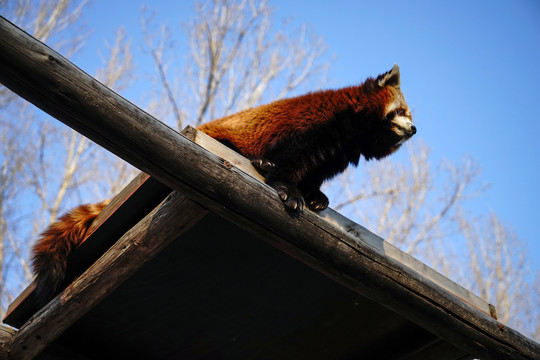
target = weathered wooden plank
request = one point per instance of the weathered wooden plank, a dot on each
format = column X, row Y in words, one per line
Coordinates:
column 23, row 304
column 127, row 255
column 234, row 158
column 387, row 249
column 117, row 201
column 6, row 337
column 132, row 204
column 59, row 88
column 138, row 198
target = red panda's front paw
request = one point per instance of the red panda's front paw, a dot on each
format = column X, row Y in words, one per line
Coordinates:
column 316, row 200
column 291, row 196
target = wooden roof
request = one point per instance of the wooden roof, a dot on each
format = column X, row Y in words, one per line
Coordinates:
column 217, row 290
column 223, row 291
column 220, row 268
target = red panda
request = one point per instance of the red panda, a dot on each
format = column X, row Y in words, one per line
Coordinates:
column 298, row 142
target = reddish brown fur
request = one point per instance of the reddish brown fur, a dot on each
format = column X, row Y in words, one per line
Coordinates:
column 300, row 141
column 253, row 132
column 57, row 242
column 311, row 138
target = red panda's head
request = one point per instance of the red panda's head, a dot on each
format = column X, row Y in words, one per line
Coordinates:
column 392, row 119
column 396, row 110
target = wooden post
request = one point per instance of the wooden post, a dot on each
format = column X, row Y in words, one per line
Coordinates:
column 45, row 78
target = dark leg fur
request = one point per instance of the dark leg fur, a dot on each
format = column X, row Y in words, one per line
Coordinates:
column 284, row 178
column 290, row 195
column 316, row 200
column 294, row 198
column 296, row 167
column 287, row 178
column 305, row 161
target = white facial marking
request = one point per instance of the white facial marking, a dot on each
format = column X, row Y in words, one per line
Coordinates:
column 393, row 106
column 402, row 122
column 400, row 116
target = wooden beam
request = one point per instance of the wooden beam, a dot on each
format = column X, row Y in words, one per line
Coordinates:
column 129, row 206
column 215, row 147
column 45, row 78
column 6, row 337
column 140, row 244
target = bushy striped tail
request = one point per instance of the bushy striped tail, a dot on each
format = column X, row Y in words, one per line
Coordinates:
column 51, row 251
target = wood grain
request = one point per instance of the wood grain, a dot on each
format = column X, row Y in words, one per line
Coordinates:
column 6, row 337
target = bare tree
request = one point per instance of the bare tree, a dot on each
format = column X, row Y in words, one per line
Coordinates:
column 43, row 162
column 158, row 43
column 46, row 21
column 496, row 264
column 410, row 205
column 535, row 300
column 236, row 60
column 74, row 158
column 51, row 166
column 419, row 208
column 117, row 74
column 13, row 155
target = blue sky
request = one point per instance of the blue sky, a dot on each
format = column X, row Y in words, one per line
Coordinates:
column 470, row 70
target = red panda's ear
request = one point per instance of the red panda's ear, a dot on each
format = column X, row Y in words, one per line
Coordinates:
column 390, row 78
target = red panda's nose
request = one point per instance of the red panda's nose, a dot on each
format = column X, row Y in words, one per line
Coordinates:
column 413, row 129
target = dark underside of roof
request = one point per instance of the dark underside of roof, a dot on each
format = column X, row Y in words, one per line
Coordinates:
column 219, row 292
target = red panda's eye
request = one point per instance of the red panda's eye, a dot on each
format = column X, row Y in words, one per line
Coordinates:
column 393, row 114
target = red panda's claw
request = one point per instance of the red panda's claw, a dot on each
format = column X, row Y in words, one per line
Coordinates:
column 263, row 165
column 295, row 203
column 317, row 201
column 291, row 197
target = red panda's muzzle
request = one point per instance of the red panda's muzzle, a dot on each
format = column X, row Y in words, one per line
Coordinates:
column 403, row 127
